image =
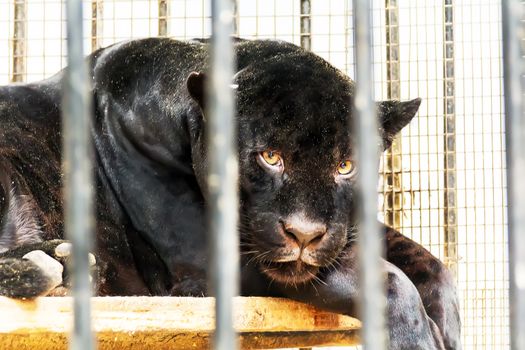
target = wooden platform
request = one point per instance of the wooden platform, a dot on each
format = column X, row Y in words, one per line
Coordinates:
column 171, row 323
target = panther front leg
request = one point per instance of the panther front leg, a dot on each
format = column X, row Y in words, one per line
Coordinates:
column 433, row 281
column 30, row 264
column 409, row 327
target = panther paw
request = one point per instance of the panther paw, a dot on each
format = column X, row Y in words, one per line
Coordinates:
column 51, row 268
column 37, row 270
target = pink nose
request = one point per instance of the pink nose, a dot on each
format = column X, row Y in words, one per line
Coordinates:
column 303, row 230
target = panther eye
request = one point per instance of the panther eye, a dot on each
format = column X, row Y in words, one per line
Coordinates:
column 271, row 159
column 345, row 167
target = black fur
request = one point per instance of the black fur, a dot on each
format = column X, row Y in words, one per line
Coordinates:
column 21, row 278
column 297, row 217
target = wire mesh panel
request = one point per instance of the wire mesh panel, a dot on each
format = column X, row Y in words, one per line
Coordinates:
column 443, row 181
column 446, row 180
column 481, row 162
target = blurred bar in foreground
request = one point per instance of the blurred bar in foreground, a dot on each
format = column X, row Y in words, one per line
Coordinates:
column 78, row 177
column 222, row 178
column 373, row 301
column 513, row 40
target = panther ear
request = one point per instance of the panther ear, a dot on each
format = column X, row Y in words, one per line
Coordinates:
column 196, row 85
column 394, row 116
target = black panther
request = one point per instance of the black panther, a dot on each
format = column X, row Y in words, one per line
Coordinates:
column 297, row 178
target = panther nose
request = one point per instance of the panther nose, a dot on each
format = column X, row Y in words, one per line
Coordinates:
column 304, row 231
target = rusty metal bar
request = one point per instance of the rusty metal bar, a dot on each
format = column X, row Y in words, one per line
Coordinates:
column 306, row 35
column 222, row 177
column 164, row 14
column 78, row 191
column 373, row 300
column 97, row 29
column 513, row 13
column 392, row 49
column 97, row 15
column 19, row 41
column 393, row 196
column 449, row 132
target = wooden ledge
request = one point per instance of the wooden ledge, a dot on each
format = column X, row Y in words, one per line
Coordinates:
column 171, row 323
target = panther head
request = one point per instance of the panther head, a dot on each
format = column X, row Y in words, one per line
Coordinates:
column 297, row 166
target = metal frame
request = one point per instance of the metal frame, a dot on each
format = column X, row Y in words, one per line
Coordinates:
column 164, row 14
column 19, row 41
column 393, row 197
column 97, row 27
column 449, row 133
column 306, row 35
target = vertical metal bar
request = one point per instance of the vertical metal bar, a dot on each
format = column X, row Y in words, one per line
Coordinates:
column 392, row 49
column 97, row 29
column 373, row 301
column 393, row 201
column 19, row 41
column 450, row 194
column 306, row 35
column 513, row 71
column 164, row 13
column 78, row 173
column 222, row 178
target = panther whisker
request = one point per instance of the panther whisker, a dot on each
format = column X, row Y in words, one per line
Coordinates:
column 252, row 259
column 271, row 282
column 249, row 252
column 313, row 285
column 316, row 278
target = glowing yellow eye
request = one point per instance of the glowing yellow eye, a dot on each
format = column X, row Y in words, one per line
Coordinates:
column 345, row 167
column 271, row 157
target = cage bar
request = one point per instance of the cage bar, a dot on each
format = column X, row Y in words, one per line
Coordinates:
column 19, row 41
column 449, row 133
column 393, row 196
column 373, row 301
column 306, row 35
column 514, row 71
column 222, row 177
column 164, row 14
column 78, row 197
column 97, row 29
column 480, row 166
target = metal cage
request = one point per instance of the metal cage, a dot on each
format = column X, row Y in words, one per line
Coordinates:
column 444, row 180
